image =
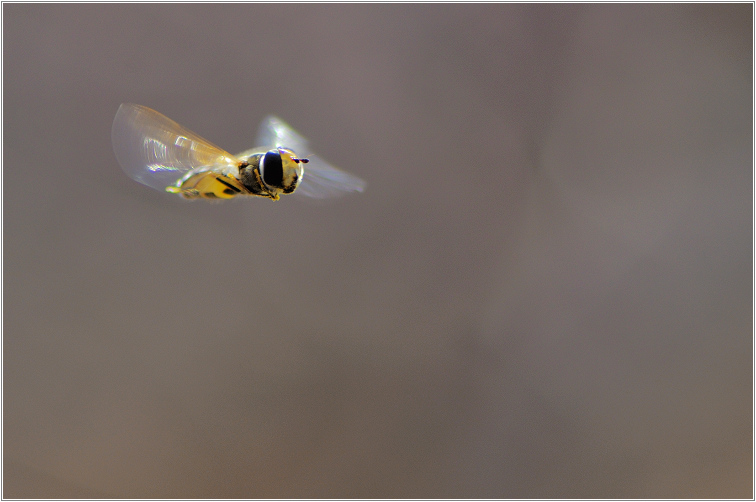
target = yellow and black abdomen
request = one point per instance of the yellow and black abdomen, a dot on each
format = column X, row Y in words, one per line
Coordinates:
column 209, row 185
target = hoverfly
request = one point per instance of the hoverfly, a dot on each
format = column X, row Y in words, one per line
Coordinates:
column 156, row 151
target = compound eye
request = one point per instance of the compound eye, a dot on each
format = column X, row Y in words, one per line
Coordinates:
column 272, row 169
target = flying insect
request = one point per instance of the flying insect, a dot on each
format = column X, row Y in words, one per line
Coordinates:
column 156, row 151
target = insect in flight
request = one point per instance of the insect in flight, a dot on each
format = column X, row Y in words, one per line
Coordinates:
column 156, row 151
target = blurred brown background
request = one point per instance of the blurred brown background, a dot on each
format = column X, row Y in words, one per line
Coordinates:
column 545, row 290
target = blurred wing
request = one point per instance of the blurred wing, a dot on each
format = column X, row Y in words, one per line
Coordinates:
column 321, row 180
column 275, row 132
column 156, row 151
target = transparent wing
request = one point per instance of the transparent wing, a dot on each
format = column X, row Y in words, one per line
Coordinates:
column 156, row 151
column 321, row 180
column 275, row 132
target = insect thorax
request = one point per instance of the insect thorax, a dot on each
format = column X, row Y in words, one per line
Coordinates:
column 250, row 176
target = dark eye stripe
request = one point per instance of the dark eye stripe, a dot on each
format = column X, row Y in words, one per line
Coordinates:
column 273, row 169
